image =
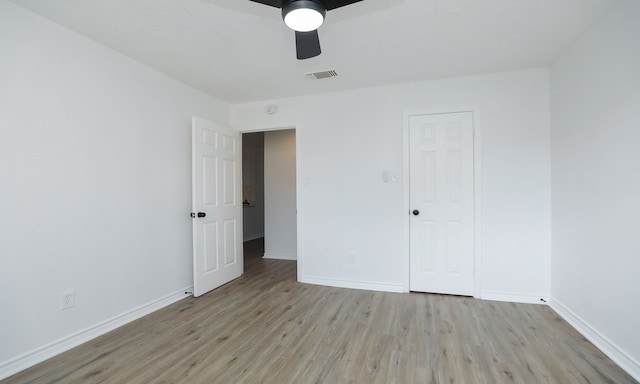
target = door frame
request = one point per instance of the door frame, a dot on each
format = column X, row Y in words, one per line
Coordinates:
column 477, row 195
column 282, row 127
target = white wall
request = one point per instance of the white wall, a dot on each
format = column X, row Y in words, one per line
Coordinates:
column 596, row 184
column 345, row 140
column 95, row 176
column 253, row 176
column 280, row 194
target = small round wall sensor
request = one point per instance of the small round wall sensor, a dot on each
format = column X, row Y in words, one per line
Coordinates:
column 272, row 109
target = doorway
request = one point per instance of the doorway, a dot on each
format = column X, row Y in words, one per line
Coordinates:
column 269, row 193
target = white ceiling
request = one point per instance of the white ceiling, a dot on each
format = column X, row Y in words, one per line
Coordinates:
column 240, row 51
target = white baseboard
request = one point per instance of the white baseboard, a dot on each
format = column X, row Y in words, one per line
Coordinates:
column 253, row 237
column 609, row 348
column 280, row 256
column 340, row 283
column 514, row 297
column 38, row 355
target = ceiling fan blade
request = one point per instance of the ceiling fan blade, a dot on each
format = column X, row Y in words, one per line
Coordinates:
column 333, row 4
column 273, row 3
column 307, row 44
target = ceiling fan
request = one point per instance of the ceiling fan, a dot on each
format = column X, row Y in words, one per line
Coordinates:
column 305, row 17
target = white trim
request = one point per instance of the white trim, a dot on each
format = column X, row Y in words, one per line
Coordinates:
column 299, row 216
column 340, row 283
column 477, row 193
column 477, row 201
column 253, row 237
column 406, row 208
column 280, row 256
column 515, row 297
column 608, row 347
column 266, row 128
column 38, row 355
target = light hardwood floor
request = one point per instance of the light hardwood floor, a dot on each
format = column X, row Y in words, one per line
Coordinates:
column 267, row 328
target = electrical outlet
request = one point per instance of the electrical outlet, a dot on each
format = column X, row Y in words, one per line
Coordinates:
column 351, row 258
column 68, row 299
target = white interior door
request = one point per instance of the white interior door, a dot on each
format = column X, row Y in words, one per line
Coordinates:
column 217, row 206
column 441, row 201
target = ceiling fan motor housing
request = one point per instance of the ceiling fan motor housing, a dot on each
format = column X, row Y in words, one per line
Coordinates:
column 304, row 4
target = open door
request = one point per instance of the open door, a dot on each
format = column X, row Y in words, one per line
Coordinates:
column 217, row 205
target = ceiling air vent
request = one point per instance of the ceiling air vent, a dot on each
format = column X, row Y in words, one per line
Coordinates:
column 322, row 75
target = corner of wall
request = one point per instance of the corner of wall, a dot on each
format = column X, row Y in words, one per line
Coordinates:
column 608, row 347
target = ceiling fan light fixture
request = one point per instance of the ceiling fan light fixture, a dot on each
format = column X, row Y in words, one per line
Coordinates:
column 303, row 15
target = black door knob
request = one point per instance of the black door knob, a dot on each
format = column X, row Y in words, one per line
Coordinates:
column 201, row 214
column 415, row 212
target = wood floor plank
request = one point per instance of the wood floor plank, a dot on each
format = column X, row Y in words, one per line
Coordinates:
column 265, row 327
